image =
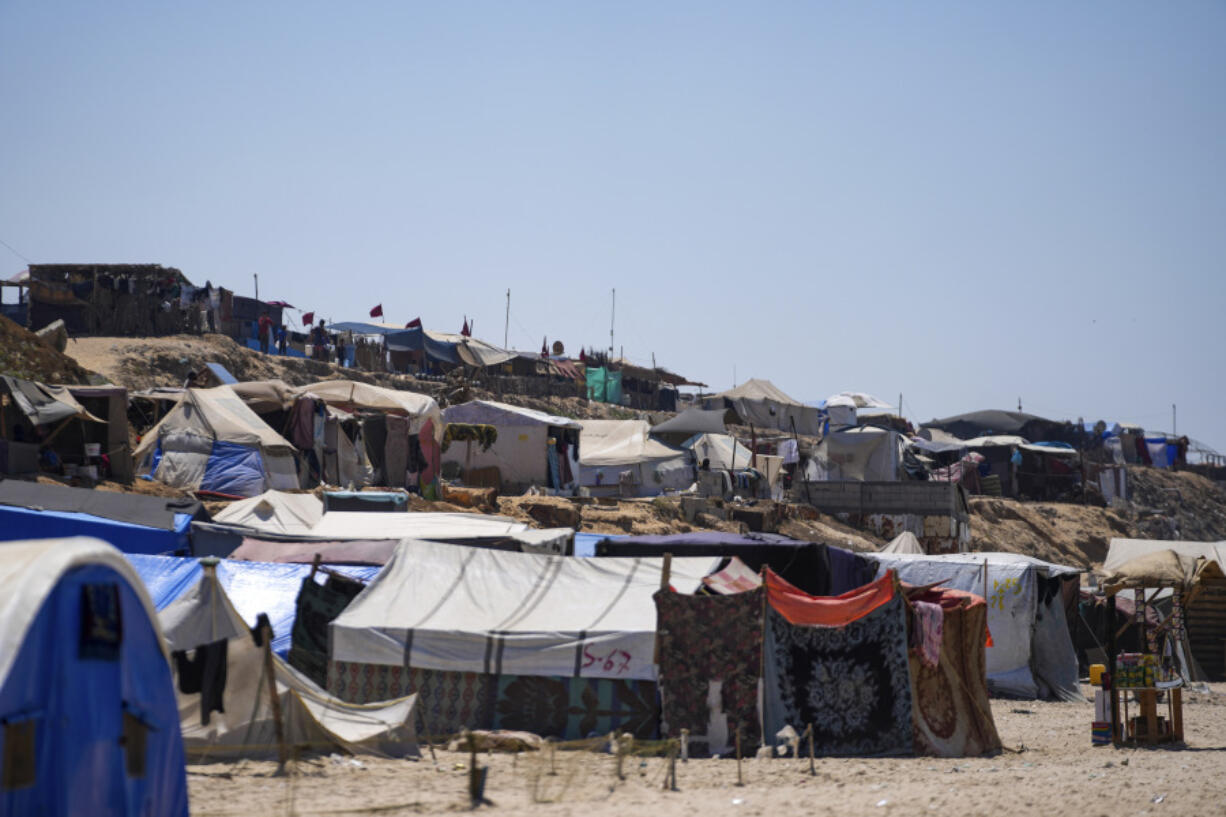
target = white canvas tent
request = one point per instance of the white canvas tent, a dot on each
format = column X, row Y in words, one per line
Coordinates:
column 1122, row 551
column 905, row 542
column 844, row 407
column 313, row 720
column 1032, row 654
column 212, row 441
column 723, row 450
column 461, row 609
column 521, row 452
column 862, row 454
column 274, row 512
column 610, row 448
column 763, row 404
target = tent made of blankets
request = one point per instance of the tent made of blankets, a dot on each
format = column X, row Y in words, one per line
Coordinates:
column 225, row 705
column 990, row 422
column 252, row 587
column 1032, row 654
column 131, row 522
column 85, row 686
column 818, row 569
column 559, row 646
column 394, row 424
column 618, row 457
column 762, row 404
column 842, row 666
column 532, row 448
column 211, row 441
column 1187, row 577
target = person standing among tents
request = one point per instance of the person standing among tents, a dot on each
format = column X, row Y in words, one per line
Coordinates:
column 319, row 341
column 282, row 339
column 265, row 331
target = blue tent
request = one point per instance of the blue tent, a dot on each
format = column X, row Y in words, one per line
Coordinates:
column 253, row 587
column 132, row 523
column 87, row 702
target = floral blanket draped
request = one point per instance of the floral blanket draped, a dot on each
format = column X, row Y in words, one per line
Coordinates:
column 851, row 682
column 706, row 639
column 951, row 711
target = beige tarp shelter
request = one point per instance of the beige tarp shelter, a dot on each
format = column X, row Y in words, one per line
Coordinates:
column 265, row 396
column 723, row 450
column 609, row 449
column 351, row 396
column 212, row 441
column 1194, row 570
column 905, row 542
column 43, row 404
column 313, row 720
column 763, row 404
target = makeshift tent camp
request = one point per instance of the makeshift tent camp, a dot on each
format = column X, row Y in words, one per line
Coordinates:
column 1032, row 655
column 132, row 523
column 85, row 688
column 862, row 454
column 533, row 448
column 212, row 441
column 224, row 703
column 760, row 403
column 265, row 396
column 555, row 645
column 609, row 449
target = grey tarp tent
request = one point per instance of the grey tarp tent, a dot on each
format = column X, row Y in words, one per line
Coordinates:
column 763, row 404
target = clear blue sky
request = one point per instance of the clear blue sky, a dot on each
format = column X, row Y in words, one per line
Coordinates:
column 965, row 203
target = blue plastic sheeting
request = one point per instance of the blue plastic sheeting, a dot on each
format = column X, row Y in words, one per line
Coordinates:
column 78, row 706
column 26, row 523
column 234, row 469
column 165, row 577
column 253, row 587
column 585, row 543
column 1051, row 444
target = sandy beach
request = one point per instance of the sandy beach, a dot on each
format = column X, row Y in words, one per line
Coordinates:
column 1048, row 768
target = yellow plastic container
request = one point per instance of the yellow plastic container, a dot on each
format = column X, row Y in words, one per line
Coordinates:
column 1096, row 673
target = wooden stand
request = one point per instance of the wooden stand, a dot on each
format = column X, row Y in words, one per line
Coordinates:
column 1146, row 728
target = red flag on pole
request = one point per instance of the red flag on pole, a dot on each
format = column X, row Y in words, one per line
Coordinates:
column 413, row 323
column 544, row 347
column 308, row 318
column 466, row 332
column 377, row 312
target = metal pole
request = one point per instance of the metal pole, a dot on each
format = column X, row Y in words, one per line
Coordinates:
column 506, row 327
column 1174, row 425
column 256, row 276
column 612, row 318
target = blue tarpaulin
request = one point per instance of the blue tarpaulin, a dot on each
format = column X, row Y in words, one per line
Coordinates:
column 30, row 523
column 253, row 587
column 234, row 469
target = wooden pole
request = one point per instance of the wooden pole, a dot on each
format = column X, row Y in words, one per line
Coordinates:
column 273, row 698
column 1116, row 733
column 740, row 779
column 812, row 765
